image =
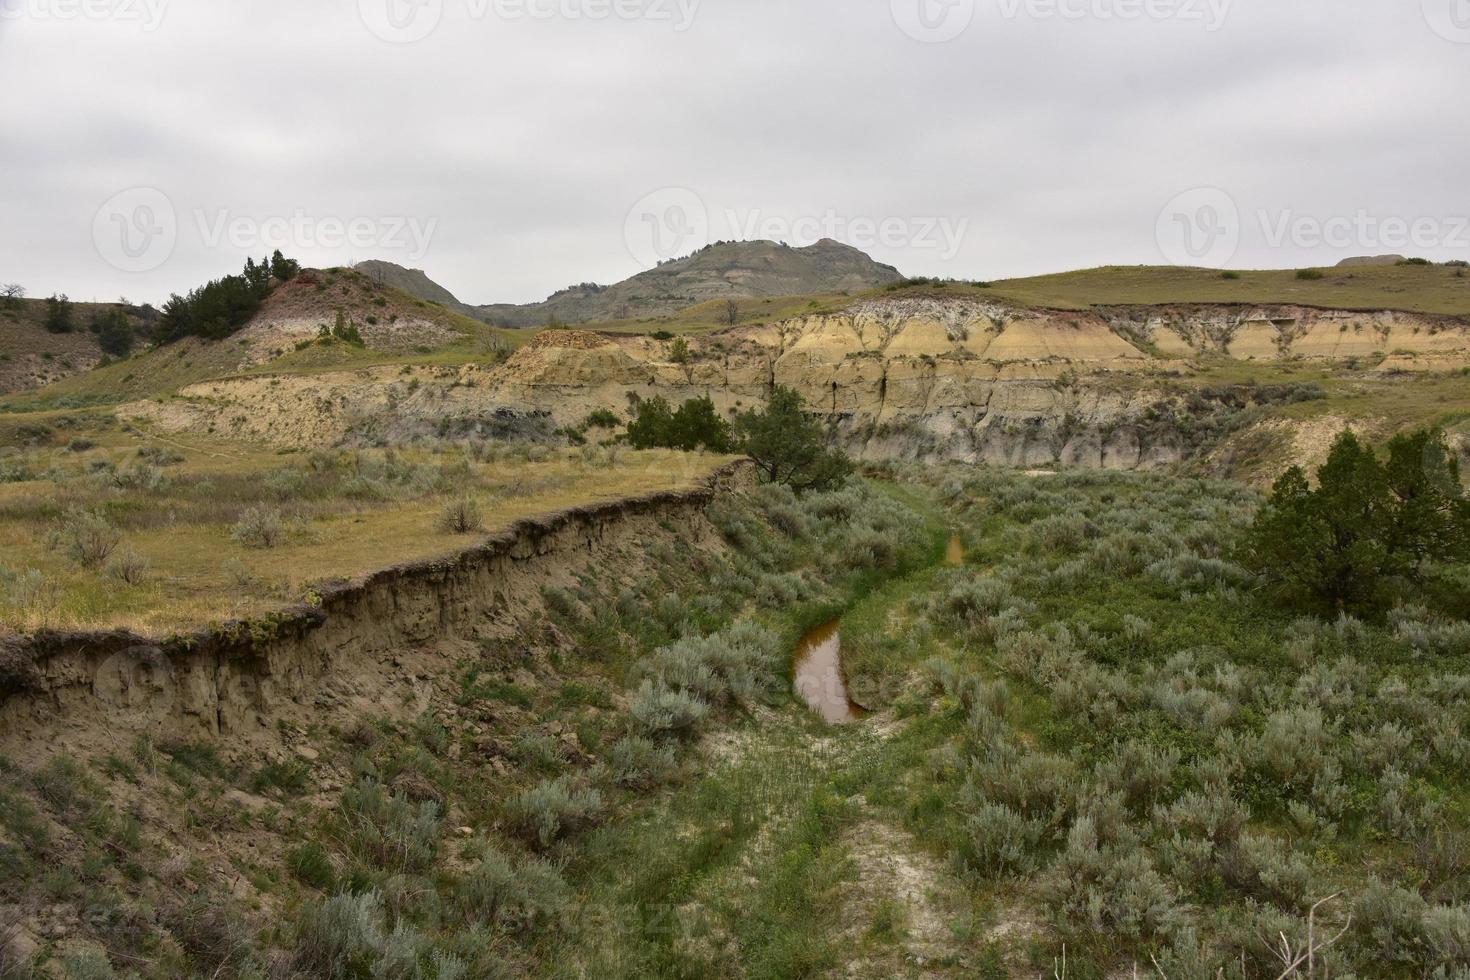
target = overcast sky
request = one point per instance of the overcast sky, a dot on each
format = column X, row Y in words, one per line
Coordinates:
column 511, row 147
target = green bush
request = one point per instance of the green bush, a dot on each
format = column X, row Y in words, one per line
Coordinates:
column 90, row 537
column 1365, row 523
column 660, row 713
column 259, row 527
column 388, row 829
column 788, row 446
column 639, row 763
column 516, row 895
column 461, row 516
column 694, row 425
column 553, row 809
column 601, row 419
column 311, row 865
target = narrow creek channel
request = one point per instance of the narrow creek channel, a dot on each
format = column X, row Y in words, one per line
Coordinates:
column 820, row 680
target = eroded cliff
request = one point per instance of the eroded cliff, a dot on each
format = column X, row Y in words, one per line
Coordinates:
column 924, row 379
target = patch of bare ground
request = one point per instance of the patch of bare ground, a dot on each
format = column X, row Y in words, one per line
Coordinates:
column 903, row 913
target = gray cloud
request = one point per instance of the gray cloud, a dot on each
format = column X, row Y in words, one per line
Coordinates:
column 1054, row 142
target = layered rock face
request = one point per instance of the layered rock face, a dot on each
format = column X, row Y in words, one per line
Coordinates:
column 913, row 379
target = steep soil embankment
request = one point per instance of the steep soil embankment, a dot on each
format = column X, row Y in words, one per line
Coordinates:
column 363, row 650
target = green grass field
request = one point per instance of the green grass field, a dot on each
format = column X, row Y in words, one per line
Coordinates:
column 1412, row 288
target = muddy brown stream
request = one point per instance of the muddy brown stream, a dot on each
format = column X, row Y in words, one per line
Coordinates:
column 820, row 680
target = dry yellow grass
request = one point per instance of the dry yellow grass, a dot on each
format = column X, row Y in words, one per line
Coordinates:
column 343, row 515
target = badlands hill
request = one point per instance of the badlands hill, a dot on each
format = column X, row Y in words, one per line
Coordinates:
column 727, row 270
column 32, row 357
column 1158, row 371
column 1236, row 390
column 284, row 336
column 414, row 282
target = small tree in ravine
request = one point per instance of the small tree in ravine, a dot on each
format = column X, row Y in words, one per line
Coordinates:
column 1366, row 524
column 695, row 424
column 114, row 332
column 788, row 446
column 59, row 314
column 283, row 268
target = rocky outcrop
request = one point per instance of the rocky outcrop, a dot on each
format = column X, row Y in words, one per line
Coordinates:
column 919, row 379
column 726, row 270
column 91, row 690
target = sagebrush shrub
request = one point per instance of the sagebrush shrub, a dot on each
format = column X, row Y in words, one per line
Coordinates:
column 517, row 895
column 285, row 483
column 541, row 752
column 461, row 516
column 259, row 527
column 389, row 829
column 1267, row 868
column 1294, row 746
column 128, row 566
column 1035, row 784
column 1000, row 842
column 1140, row 772
column 340, row 936
column 553, row 809
column 738, row 665
column 639, row 763
column 658, row 712
column 1063, row 533
column 1111, row 889
column 89, row 537
column 1415, row 627
column 1212, row 816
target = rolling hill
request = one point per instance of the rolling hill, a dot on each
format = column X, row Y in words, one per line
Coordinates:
column 727, row 270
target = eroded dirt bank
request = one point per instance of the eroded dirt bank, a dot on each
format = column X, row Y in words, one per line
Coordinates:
column 926, row 380
column 368, row 643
